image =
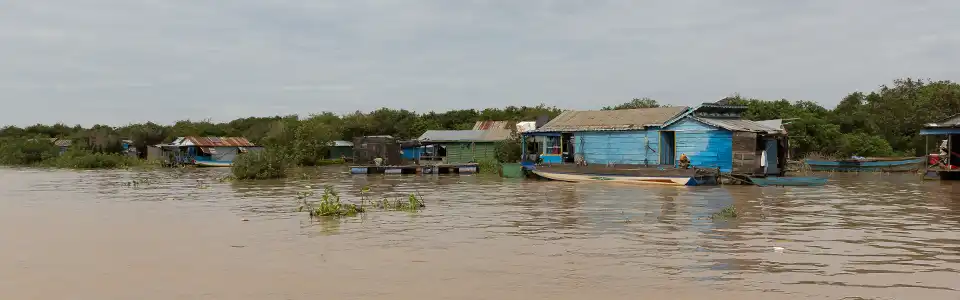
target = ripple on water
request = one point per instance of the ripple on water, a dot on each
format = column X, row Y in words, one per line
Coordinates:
column 864, row 235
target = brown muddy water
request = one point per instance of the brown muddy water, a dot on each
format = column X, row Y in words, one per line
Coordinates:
column 84, row 235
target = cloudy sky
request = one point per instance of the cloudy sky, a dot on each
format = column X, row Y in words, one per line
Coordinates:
column 122, row 61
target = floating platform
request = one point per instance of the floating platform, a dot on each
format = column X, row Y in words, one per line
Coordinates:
column 417, row 169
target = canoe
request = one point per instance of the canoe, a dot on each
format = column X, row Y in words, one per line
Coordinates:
column 689, row 180
column 209, row 163
column 789, row 181
column 880, row 164
column 626, row 173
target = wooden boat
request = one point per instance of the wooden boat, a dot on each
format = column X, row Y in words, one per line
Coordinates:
column 789, row 181
column 874, row 164
column 628, row 174
column 210, row 163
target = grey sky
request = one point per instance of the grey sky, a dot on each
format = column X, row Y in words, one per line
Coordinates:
column 122, row 61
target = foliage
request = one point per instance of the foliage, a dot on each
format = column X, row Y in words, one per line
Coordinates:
column 635, row 103
column 330, row 205
column 264, row 164
column 729, row 212
column 894, row 112
column 862, row 144
column 510, row 150
column 22, row 152
column 78, row 158
column 488, row 167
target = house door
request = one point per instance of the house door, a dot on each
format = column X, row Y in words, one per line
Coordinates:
column 668, row 148
column 771, row 154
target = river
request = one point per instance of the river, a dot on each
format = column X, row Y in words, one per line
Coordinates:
column 185, row 235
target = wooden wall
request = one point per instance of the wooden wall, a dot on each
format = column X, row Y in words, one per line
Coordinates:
column 458, row 153
column 705, row 145
column 636, row 147
column 745, row 155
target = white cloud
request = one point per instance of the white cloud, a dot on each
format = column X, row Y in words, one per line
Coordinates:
column 120, row 61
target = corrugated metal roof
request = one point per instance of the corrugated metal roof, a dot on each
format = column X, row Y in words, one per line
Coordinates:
column 739, row 125
column 211, row 141
column 487, row 125
column 63, row 143
column 624, row 119
column 341, row 144
column 951, row 121
column 464, row 135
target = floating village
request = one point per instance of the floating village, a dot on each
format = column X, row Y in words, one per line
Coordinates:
column 709, row 144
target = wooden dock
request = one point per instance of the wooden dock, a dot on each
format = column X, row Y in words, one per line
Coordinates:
column 417, row 169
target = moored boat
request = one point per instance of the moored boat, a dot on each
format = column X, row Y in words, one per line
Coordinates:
column 210, row 163
column 869, row 164
column 788, row 181
column 627, row 174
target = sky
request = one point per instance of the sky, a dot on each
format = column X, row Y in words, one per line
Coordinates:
column 129, row 61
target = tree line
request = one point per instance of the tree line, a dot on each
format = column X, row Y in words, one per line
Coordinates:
column 884, row 122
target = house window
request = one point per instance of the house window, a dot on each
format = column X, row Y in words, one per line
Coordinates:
column 553, row 145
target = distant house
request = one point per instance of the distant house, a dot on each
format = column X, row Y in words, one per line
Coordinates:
column 462, row 146
column 63, row 144
column 207, row 151
column 711, row 135
column 368, row 148
column 341, row 149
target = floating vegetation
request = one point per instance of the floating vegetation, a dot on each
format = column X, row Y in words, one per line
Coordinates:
column 729, row 212
column 330, row 203
column 138, row 182
column 202, row 185
column 227, row 178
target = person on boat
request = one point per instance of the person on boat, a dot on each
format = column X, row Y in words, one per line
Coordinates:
column 684, row 161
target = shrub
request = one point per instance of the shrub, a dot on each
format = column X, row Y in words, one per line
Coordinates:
column 264, row 164
column 488, row 167
column 862, row 144
column 83, row 159
column 23, row 152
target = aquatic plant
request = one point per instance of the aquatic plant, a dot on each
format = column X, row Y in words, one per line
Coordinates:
column 488, row 167
column 412, row 203
column 259, row 165
column 329, row 204
column 729, row 212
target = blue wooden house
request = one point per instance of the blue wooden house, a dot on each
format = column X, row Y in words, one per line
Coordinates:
column 711, row 136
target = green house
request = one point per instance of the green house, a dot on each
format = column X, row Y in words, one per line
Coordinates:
column 341, row 149
column 463, row 146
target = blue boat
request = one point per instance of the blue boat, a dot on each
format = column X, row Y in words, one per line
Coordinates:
column 877, row 164
column 789, row 181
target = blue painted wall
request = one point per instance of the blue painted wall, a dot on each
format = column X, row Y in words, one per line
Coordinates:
column 412, row 153
column 705, row 145
column 618, row 147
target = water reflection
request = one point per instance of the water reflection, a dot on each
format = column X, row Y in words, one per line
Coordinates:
column 866, row 235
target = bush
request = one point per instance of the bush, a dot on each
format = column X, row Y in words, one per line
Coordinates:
column 83, row 159
column 489, row 167
column 509, row 151
column 861, row 144
column 22, row 152
column 265, row 164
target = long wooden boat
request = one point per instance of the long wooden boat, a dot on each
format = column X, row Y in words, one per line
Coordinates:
column 876, row 164
column 628, row 174
column 789, row 181
column 210, row 163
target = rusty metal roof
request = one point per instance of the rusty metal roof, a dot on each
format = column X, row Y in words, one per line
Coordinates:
column 624, row 119
column 211, row 141
column 740, row 125
column 487, row 125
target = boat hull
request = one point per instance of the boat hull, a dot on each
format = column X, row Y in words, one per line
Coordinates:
column 212, row 164
column 789, row 181
column 641, row 180
column 898, row 165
